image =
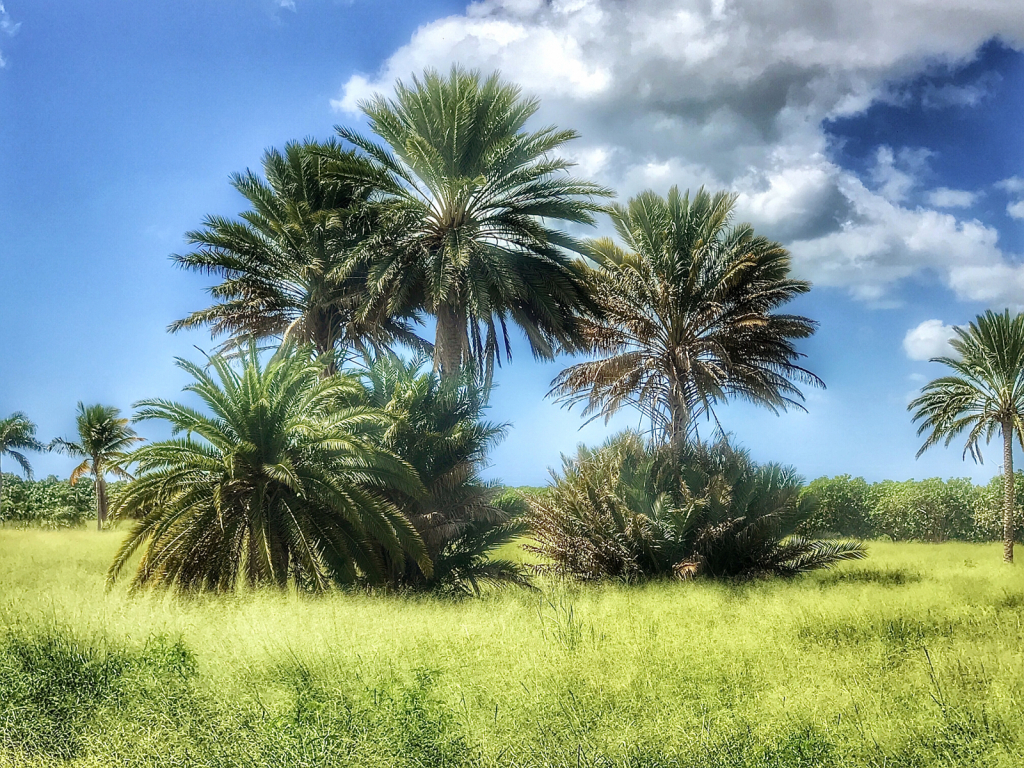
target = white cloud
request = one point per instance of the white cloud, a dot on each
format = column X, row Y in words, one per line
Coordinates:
column 1016, row 210
column 1013, row 185
column 929, row 339
column 8, row 27
column 944, row 197
column 733, row 93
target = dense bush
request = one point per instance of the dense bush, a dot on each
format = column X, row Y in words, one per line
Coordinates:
column 50, row 502
column 635, row 509
column 921, row 510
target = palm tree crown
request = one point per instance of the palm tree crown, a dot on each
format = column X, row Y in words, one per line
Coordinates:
column 104, row 439
column 983, row 396
column 690, row 316
column 475, row 199
column 17, row 434
column 280, row 481
column 290, row 267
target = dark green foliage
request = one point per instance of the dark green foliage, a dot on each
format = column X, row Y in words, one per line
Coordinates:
column 635, row 509
column 48, row 503
column 437, row 426
column 280, row 481
column 54, row 687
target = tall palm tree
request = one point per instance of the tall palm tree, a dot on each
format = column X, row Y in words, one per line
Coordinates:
column 476, row 201
column 280, row 480
column 983, row 395
column 104, row 439
column 290, row 267
column 690, row 316
column 17, row 434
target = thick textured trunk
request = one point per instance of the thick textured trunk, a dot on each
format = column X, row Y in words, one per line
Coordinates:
column 1, row 492
column 101, row 500
column 1009, row 502
column 450, row 342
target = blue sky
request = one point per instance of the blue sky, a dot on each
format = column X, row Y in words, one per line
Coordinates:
column 881, row 143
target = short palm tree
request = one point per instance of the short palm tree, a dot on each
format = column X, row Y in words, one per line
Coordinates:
column 476, row 201
column 690, row 316
column 279, row 481
column 17, row 434
column 983, row 395
column 104, row 439
column 438, row 427
column 290, row 268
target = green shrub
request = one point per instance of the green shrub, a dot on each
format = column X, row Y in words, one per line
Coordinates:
column 49, row 503
column 926, row 510
column 841, row 507
column 635, row 509
column 988, row 509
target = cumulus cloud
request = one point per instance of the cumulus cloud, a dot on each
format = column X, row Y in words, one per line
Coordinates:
column 734, row 93
column 929, row 339
column 1016, row 210
column 944, row 197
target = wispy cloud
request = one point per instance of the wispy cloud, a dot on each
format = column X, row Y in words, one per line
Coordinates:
column 944, row 197
column 8, row 27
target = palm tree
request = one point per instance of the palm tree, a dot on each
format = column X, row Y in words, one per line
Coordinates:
column 17, row 434
column 690, row 316
column 104, row 439
column 636, row 508
column 438, row 427
column 290, row 268
column 280, row 481
column 983, row 395
column 475, row 200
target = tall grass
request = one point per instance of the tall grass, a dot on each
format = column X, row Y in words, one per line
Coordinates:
column 914, row 657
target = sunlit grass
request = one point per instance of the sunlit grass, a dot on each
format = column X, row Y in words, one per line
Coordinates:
column 913, row 657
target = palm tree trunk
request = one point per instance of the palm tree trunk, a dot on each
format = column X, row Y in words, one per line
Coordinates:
column 101, row 501
column 450, row 341
column 1, row 492
column 1009, row 502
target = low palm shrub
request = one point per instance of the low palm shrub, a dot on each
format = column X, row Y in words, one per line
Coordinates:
column 632, row 508
column 436, row 425
column 280, row 480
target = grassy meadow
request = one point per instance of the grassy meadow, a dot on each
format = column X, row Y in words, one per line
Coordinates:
column 913, row 657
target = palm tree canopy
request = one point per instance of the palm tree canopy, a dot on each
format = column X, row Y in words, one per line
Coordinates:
column 985, row 390
column 17, row 434
column 690, row 316
column 104, row 439
column 281, row 479
column 477, row 200
column 289, row 266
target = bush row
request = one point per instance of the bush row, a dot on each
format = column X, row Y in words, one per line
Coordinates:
column 49, row 503
column 921, row 510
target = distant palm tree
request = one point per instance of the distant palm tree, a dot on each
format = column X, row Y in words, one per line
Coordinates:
column 691, row 316
column 290, row 267
column 17, row 434
column 281, row 480
column 476, row 200
column 104, row 439
column 984, row 394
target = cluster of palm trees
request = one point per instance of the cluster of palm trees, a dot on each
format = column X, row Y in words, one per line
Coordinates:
column 103, row 443
column 336, row 461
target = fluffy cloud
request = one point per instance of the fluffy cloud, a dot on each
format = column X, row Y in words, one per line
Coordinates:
column 929, row 339
column 734, row 93
column 1016, row 210
column 944, row 197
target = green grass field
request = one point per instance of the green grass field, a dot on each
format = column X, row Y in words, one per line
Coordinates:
column 913, row 657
